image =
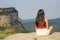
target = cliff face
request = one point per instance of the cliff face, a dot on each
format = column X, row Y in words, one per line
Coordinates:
column 9, row 17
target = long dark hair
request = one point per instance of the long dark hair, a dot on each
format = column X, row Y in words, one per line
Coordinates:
column 40, row 17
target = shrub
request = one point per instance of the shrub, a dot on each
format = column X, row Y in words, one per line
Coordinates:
column 2, row 28
column 9, row 31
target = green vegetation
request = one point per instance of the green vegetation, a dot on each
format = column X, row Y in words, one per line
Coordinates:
column 2, row 35
column 6, row 31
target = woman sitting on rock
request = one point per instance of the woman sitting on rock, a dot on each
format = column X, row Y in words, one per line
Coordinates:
column 41, row 24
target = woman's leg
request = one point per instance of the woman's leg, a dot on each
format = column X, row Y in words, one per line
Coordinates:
column 50, row 28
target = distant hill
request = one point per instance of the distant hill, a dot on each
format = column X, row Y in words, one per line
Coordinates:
column 55, row 21
column 32, row 20
column 29, row 24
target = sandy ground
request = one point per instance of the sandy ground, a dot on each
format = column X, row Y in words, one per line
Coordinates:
column 32, row 36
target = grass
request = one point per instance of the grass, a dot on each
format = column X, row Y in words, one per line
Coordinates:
column 6, row 32
column 2, row 35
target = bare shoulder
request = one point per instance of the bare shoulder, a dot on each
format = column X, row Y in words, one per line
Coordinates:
column 46, row 19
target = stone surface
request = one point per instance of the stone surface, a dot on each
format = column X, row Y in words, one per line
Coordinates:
column 33, row 36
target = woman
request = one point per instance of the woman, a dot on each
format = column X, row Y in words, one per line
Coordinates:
column 41, row 24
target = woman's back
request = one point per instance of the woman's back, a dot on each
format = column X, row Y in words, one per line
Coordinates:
column 41, row 26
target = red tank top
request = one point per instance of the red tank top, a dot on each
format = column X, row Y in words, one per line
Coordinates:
column 41, row 26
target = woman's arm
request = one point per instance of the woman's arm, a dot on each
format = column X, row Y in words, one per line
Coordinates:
column 46, row 22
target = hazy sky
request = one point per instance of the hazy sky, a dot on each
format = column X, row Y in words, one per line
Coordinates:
column 28, row 8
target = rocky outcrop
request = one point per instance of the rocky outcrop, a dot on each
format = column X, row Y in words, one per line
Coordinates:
column 9, row 17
